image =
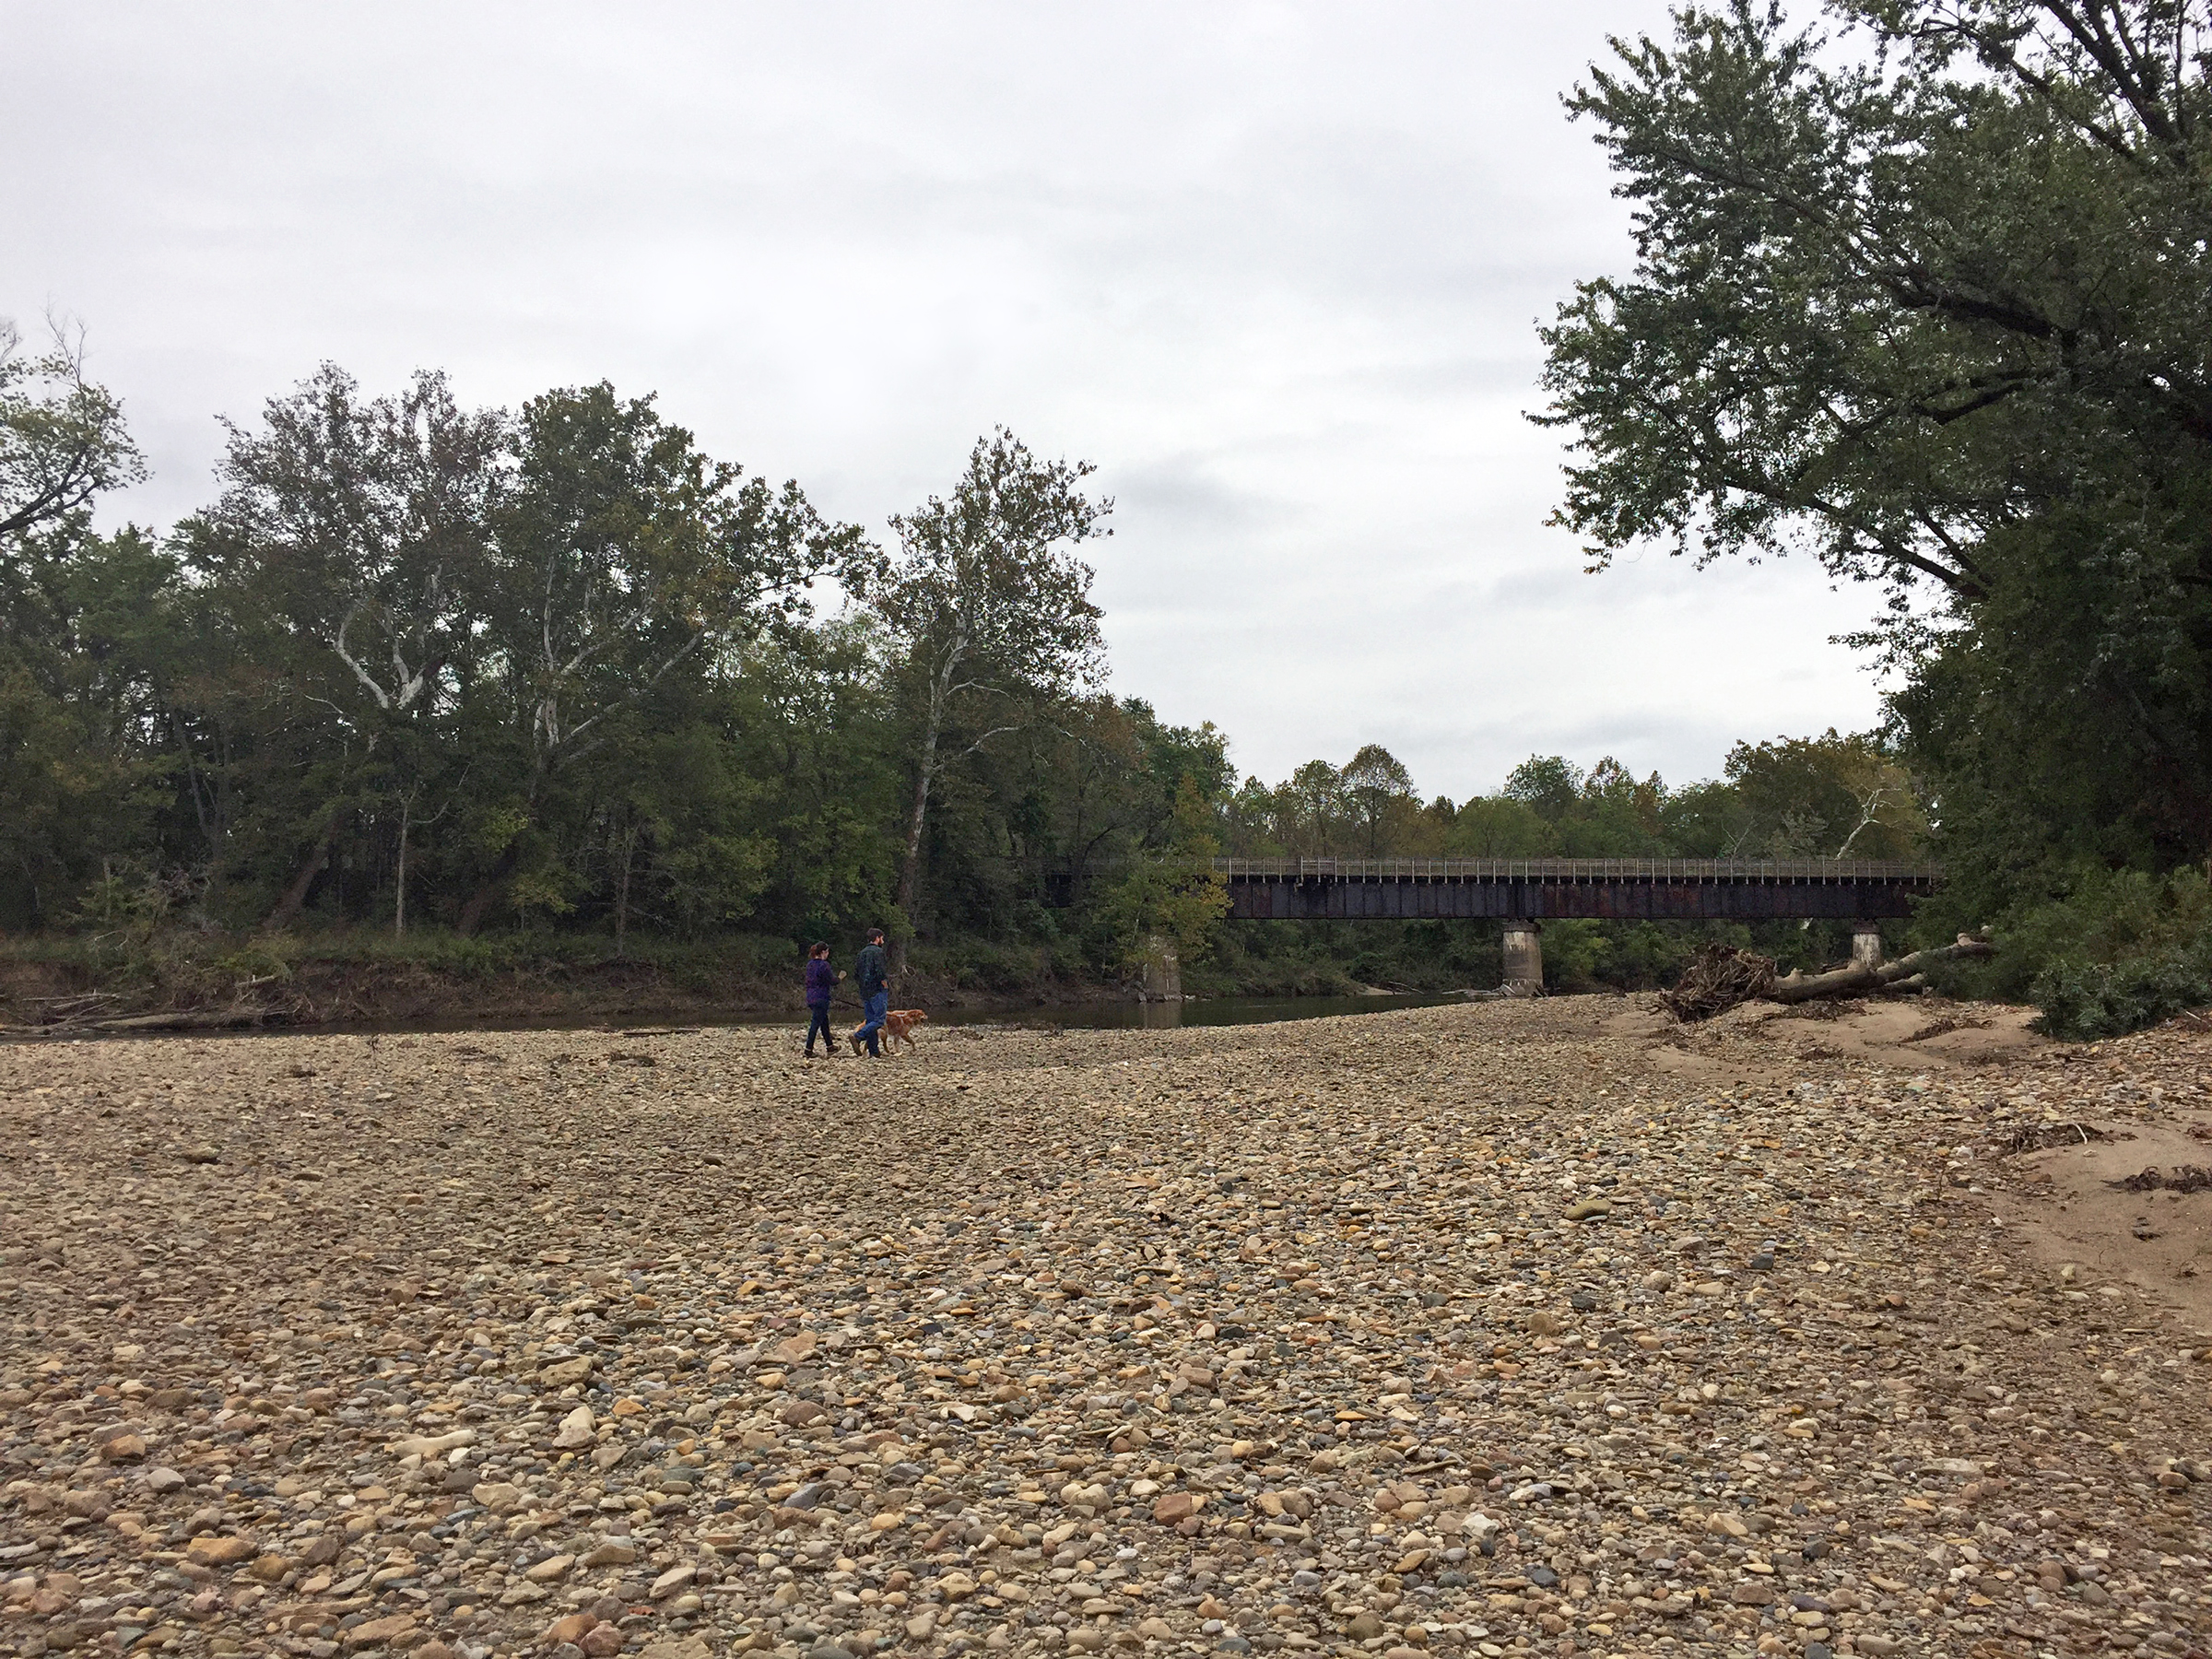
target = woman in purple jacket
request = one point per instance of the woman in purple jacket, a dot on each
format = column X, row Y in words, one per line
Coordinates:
column 821, row 980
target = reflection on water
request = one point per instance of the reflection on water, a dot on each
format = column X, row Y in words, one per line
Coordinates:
column 1212, row 1011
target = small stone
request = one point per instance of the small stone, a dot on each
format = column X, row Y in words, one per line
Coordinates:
column 573, row 1628
column 564, row 1373
column 124, row 1448
column 1176, row 1506
column 380, row 1632
column 675, row 1579
column 1590, row 1209
column 576, row 1430
column 550, row 1570
column 213, row 1551
column 161, row 1479
column 1365, row 1625
column 603, row 1641
column 614, row 1552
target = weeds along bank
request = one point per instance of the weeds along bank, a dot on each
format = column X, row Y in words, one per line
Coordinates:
column 308, row 979
column 434, row 975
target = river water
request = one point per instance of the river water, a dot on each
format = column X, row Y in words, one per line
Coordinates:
column 1209, row 1011
column 1100, row 1016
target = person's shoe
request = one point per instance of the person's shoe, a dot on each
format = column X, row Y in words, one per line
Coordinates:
column 856, row 1042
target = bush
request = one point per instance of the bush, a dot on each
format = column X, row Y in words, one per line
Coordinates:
column 2082, row 1002
column 2119, row 951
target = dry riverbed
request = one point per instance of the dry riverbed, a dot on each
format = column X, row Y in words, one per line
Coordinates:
column 1511, row 1329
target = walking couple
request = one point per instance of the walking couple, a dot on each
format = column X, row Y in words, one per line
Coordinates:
column 873, row 971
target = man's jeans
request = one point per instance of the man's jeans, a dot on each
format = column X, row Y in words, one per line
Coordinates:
column 875, row 1008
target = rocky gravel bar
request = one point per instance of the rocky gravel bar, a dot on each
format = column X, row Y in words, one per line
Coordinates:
column 1528, row 1328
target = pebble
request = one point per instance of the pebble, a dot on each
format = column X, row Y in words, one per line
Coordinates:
column 1288, row 1338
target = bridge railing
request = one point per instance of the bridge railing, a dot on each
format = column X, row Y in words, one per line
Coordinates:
column 1575, row 869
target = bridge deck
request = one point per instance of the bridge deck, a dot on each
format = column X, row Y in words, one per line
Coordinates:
column 1534, row 888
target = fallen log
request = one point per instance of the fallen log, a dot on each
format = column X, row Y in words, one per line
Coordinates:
column 1842, row 981
column 203, row 1020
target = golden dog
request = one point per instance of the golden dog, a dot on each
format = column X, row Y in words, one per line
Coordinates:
column 899, row 1026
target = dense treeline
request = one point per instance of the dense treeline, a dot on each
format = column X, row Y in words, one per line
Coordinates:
column 419, row 669
column 1926, row 293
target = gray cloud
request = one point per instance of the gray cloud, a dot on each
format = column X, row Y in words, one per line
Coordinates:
column 1274, row 266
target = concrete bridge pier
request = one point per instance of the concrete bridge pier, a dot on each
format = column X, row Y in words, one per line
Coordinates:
column 1523, row 953
column 1866, row 945
column 1163, row 971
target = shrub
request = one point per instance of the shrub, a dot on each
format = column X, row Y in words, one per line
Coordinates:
column 2120, row 951
column 2082, row 1001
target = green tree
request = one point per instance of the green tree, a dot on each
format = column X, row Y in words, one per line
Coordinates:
column 1174, row 892
column 992, row 610
column 1932, row 302
column 361, row 529
column 1381, row 789
column 80, row 780
column 1825, row 797
column 621, row 554
column 63, row 439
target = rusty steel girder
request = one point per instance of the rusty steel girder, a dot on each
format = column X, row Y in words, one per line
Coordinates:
column 1537, row 890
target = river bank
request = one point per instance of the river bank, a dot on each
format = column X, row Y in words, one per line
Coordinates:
column 353, row 982
column 1513, row 1328
column 187, row 981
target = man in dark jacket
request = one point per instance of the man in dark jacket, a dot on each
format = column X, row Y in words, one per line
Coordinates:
column 872, row 973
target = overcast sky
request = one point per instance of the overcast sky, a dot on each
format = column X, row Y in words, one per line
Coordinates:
column 1276, row 268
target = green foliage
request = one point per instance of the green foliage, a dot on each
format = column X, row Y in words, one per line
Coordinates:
column 418, row 670
column 2119, row 951
column 1172, row 892
column 2084, row 1001
column 1931, row 300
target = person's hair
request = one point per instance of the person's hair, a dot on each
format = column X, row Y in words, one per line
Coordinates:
column 818, row 948
column 874, row 933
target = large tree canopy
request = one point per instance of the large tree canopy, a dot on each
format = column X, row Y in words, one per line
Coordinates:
column 1929, row 297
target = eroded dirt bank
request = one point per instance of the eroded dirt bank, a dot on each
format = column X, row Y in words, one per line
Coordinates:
column 1507, row 1328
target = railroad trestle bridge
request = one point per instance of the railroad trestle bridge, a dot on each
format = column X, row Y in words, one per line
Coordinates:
column 1523, row 893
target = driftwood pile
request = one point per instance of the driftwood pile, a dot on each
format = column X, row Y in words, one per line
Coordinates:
column 1720, row 976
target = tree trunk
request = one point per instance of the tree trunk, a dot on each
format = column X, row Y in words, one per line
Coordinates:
column 487, row 894
column 910, row 873
column 629, row 842
column 294, row 897
column 399, row 900
column 1842, row 981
